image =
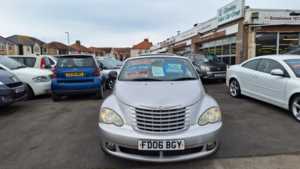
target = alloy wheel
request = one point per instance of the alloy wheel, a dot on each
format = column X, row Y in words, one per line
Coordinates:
column 296, row 108
column 234, row 88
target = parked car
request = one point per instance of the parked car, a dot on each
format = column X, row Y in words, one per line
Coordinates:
column 209, row 67
column 110, row 70
column 11, row 88
column 36, row 61
column 294, row 51
column 76, row 74
column 159, row 112
column 272, row 79
column 37, row 81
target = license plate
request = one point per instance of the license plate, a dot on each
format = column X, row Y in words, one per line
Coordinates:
column 163, row 145
column 20, row 89
column 74, row 74
column 220, row 75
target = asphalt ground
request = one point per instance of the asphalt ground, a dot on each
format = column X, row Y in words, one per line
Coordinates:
column 44, row 134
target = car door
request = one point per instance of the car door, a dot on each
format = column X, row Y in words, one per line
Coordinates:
column 269, row 87
column 247, row 76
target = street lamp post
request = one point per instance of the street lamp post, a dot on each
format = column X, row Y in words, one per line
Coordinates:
column 68, row 41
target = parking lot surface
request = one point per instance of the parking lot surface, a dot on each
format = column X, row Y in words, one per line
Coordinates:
column 43, row 134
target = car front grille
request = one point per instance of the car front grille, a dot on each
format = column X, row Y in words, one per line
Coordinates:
column 14, row 85
column 216, row 69
column 161, row 121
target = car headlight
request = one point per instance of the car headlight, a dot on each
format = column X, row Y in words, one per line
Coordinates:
column 2, row 85
column 205, row 68
column 212, row 115
column 108, row 116
column 41, row 79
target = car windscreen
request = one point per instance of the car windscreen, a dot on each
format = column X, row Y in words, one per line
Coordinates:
column 158, row 69
column 75, row 62
column 11, row 63
column 108, row 63
column 294, row 65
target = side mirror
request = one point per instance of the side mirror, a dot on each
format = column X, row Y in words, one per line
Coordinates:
column 101, row 66
column 113, row 75
column 277, row 72
column 198, row 70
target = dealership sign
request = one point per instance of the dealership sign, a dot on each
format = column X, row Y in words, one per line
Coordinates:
column 276, row 17
column 231, row 12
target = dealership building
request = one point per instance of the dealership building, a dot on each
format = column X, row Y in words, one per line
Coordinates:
column 238, row 33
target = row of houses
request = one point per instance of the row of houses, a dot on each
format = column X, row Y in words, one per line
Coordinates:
column 26, row 45
column 237, row 33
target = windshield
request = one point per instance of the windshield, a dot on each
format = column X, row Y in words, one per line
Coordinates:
column 157, row 69
column 11, row 63
column 75, row 62
column 108, row 63
column 294, row 65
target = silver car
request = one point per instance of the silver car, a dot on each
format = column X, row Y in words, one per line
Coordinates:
column 159, row 112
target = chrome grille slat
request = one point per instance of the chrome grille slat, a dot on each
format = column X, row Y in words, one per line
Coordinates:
column 159, row 117
column 161, row 124
column 160, row 112
column 160, row 120
column 164, row 129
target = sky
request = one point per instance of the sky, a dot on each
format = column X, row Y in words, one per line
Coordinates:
column 112, row 23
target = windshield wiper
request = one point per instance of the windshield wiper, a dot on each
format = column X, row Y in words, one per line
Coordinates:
column 145, row 79
column 184, row 79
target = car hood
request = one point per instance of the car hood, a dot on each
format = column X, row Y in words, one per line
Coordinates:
column 32, row 72
column 159, row 94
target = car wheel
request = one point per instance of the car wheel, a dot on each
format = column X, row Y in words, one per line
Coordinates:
column 295, row 107
column 110, row 84
column 100, row 93
column 234, row 88
column 29, row 92
column 55, row 97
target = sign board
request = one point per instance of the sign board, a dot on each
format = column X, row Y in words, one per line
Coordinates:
column 231, row 12
column 273, row 17
column 207, row 26
column 186, row 35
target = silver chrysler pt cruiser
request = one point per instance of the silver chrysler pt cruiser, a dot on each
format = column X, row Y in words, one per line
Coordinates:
column 159, row 112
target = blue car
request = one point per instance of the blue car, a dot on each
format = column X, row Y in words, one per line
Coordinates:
column 76, row 74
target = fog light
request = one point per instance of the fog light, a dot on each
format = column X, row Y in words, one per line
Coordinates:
column 110, row 146
column 211, row 146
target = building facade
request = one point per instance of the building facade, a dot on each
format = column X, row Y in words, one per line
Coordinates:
column 7, row 47
column 141, row 48
column 56, row 48
column 238, row 33
column 26, row 45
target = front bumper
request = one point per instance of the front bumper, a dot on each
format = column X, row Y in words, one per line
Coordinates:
column 214, row 75
column 9, row 96
column 125, row 139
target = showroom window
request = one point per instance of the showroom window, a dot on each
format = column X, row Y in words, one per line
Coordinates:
column 288, row 42
column 266, row 44
column 276, row 42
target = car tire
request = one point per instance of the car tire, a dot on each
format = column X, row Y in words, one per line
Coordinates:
column 29, row 92
column 110, row 84
column 56, row 97
column 295, row 107
column 234, row 88
column 100, row 93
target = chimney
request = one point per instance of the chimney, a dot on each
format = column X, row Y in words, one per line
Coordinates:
column 77, row 42
column 146, row 40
